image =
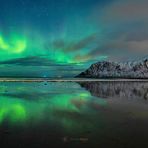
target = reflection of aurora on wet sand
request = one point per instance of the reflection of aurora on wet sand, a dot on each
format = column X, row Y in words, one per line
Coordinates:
column 28, row 103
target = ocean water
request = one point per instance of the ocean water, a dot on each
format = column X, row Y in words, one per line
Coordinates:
column 74, row 114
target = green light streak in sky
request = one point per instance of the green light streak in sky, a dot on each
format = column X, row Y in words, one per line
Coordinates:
column 3, row 44
column 15, row 44
column 14, row 111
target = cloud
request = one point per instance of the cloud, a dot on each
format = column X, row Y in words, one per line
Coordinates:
column 124, row 28
column 127, row 10
column 31, row 61
column 61, row 44
column 82, row 43
column 82, row 58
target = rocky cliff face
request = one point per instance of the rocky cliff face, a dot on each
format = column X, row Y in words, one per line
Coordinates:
column 107, row 69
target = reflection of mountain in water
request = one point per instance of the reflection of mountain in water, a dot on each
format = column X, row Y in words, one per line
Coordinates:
column 122, row 90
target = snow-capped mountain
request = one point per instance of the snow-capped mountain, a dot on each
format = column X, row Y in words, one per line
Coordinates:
column 108, row 69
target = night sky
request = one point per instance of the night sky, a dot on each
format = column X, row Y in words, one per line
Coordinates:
column 61, row 38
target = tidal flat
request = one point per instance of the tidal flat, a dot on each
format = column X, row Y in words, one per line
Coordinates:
column 82, row 113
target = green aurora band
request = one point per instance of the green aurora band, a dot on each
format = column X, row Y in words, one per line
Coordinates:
column 15, row 45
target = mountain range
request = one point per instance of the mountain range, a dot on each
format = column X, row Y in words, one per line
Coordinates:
column 109, row 69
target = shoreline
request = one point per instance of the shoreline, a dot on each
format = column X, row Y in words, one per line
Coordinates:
column 69, row 80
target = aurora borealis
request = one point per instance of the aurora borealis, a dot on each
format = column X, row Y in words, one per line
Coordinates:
column 48, row 36
column 44, row 44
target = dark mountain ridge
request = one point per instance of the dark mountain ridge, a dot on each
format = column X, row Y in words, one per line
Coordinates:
column 109, row 69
